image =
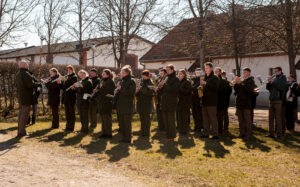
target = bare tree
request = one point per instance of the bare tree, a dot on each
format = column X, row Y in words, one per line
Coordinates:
column 50, row 23
column 280, row 25
column 200, row 9
column 124, row 19
column 14, row 16
column 82, row 28
column 235, row 20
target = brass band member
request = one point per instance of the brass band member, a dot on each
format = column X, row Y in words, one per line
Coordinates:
column 169, row 100
column 94, row 101
column 25, row 86
column 69, row 98
column 125, row 103
column 106, row 91
column 53, row 85
column 223, row 91
column 227, row 102
column 162, row 75
column 36, row 94
column 244, row 90
column 184, row 103
column 144, row 93
column 276, row 87
column 84, row 89
column 196, row 102
column 209, row 101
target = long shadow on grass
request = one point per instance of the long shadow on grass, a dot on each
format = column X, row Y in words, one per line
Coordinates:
column 255, row 143
column 186, row 141
column 55, row 137
column 215, row 147
column 5, row 131
column 74, row 140
column 40, row 133
column 142, row 143
column 169, row 148
column 97, row 145
column 118, row 152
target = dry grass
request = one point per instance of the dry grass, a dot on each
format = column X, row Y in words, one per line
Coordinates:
column 189, row 160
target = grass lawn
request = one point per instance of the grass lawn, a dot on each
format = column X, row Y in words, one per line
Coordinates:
column 187, row 161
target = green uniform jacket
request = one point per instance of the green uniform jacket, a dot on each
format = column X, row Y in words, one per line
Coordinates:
column 159, row 92
column 69, row 97
column 170, row 90
column 244, row 93
column 185, row 95
column 87, row 87
column 25, row 86
column 210, row 90
column 144, row 97
column 125, row 96
column 104, row 100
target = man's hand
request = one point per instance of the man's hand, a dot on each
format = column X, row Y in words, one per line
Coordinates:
column 203, row 82
column 237, row 80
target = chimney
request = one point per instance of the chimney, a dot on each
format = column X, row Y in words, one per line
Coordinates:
column 25, row 43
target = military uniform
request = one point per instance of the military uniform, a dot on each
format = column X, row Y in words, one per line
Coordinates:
column 145, row 105
column 184, row 106
column 196, row 105
column 69, row 100
column 244, row 93
column 210, row 101
column 25, row 87
column 54, row 100
column 125, row 106
column 106, row 92
column 94, row 103
column 169, row 102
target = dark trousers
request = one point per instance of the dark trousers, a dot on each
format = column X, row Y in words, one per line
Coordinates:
column 161, row 125
column 93, row 114
column 145, row 124
column 244, row 117
column 84, row 118
column 210, row 119
column 125, row 124
column 197, row 116
column 275, row 118
column 223, row 120
column 70, row 116
column 106, row 124
column 24, row 111
column 55, row 116
column 169, row 121
column 289, row 115
column 183, row 120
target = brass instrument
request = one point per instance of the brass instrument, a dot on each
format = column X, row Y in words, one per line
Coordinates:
column 200, row 88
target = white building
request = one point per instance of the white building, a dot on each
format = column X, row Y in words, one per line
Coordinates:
column 96, row 52
column 180, row 48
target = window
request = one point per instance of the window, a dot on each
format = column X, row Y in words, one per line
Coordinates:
column 271, row 71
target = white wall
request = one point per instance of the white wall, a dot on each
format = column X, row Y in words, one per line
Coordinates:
column 62, row 58
column 259, row 66
column 104, row 54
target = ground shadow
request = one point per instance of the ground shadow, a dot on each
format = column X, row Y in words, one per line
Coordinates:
column 255, row 143
column 215, row 147
column 74, row 140
column 186, row 141
column 9, row 144
column 55, row 137
column 118, row 152
column 40, row 133
column 170, row 149
column 142, row 143
column 5, row 131
column 228, row 139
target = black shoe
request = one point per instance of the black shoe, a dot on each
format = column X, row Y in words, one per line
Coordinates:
column 204, row 136
column 54, row 127
column 215, row 138
column 105, row 136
